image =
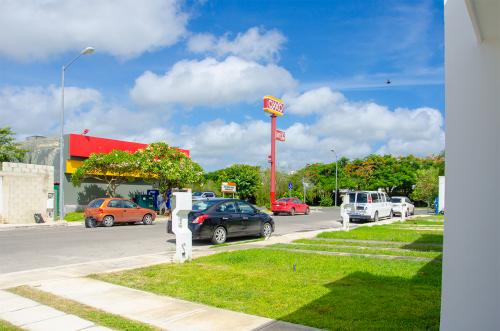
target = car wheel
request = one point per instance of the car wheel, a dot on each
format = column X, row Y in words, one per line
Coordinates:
column 308, row 211
column 267, row 230
column 275, row 213
column 292, row 212
column 90, row 223
column 108, row 221
column 147, row 219
column 375, row 217
column 219, row 235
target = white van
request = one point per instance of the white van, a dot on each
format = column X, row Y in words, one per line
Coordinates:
column 368, row 205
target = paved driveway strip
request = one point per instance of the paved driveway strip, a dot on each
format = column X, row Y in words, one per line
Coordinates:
column 158, row 310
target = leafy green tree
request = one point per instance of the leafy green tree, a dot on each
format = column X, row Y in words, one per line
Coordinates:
column 247, row 179
column 427, row 187
column 167, row 167
column 114, row 168
column 9, row 149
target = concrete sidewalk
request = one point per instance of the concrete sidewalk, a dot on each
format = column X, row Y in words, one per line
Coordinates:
column 30, row 315
column 158, row 310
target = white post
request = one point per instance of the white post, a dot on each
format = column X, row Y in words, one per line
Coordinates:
column 343, row 212
column 181, row 206
column 403, row 212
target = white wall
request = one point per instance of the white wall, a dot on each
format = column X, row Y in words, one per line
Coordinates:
column 471, row 265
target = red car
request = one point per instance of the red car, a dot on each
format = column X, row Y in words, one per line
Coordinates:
column 289, row 206
column 108, row 211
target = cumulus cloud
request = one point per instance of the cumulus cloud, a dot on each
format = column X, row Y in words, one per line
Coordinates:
column 255, row 44
column 124, row 28
column 210, row 82
column 36, row 110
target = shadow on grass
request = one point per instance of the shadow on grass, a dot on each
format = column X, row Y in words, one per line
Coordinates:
column 366, row 301
column 426, row 242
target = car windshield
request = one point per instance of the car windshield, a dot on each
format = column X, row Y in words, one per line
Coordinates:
column 197, row 194
column 96, row 203
column 203, row 204
column 396, row 200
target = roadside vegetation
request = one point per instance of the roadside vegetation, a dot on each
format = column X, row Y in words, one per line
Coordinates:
column 74, row 217
column 6, row 326
column 325, row 291
column 97, row 316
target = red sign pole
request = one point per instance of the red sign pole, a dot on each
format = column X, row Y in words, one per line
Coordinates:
column 273, row 158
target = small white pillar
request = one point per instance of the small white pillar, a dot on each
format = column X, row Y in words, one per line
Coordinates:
column 182, row 204
column 403, row 212
column 343, row 212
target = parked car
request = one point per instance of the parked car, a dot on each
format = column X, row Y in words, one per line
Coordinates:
column 397, row 203
column 203, row 195
column 108, row 211
column 218, row 219
column 290, row 206
column 368, row 205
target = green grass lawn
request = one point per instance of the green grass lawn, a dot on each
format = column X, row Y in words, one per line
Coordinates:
column 373, row 250
column 387, row 233
column 408, row 246
column 74, row 217
column 6, row 326
column 328, row 292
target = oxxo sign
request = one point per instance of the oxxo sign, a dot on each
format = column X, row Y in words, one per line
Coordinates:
column 273, row 105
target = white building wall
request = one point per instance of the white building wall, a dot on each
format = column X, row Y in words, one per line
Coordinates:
column 471, row 263
column 25, row 189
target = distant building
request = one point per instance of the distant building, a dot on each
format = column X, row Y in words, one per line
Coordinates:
column 45, row 151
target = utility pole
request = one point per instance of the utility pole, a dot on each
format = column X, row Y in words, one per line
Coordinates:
column 336, row 175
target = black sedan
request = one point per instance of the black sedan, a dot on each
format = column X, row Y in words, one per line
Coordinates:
column 218, row 219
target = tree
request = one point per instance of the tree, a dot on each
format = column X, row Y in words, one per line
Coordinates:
column 247, row 178
column 167, row 167
column 9, row 150
column 427, row 187
column 113, row 168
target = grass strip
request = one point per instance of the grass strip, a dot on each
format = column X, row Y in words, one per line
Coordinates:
column 6, row 326
column 86, row 312
column 386, row 233
column 410, row 246
column 361, row 250
column 236, row 243
column 74, row 217
column 326, row 292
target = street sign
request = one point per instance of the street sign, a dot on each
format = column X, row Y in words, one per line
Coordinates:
column 290, row 185
column 228, row 187
column 273, row 105
column 280, row 135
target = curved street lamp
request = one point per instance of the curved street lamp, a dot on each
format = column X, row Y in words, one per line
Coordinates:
column 85, row 51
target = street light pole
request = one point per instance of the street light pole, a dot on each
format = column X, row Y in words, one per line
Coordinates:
column 86, row 51
column 336, row 175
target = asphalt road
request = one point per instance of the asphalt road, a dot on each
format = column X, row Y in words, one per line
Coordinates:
column 32, row 248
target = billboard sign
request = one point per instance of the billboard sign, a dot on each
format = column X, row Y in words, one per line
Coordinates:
column 273, row 105
column 228, row 187
column 280, row 135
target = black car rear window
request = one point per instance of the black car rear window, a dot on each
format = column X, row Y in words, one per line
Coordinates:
column 201, row 205
column 96, row 203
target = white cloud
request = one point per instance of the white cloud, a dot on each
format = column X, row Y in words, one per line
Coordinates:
column 36, row 110
column 255, row 44
column 210, row 82
column 124, row 28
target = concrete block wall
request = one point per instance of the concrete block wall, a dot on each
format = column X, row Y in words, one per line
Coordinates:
column 24, row 191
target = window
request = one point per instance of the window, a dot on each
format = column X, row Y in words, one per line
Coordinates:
column 96, row 203
column 227, row 207
column 375, row 197
column 362, row 198
column 408, row 200
column 383, row 197
column 128, row 204
column 115, row 204
column 283, row 200
column 201, row 205
column 396, row 200
column 197, row 194
column 209, row 195
column 297, row 201
column 246, row 208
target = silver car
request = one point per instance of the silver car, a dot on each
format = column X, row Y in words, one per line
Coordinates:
column 397, row 206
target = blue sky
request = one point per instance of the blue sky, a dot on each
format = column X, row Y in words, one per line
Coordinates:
column 193, row 73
